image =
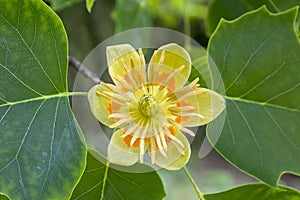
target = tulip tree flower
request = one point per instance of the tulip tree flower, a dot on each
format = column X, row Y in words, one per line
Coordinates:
column 150, row 107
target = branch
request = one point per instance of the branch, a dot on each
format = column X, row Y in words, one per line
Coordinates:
column 87, row 73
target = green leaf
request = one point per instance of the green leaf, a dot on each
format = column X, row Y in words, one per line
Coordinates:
column 41, row 151
column 228, row 9
column 102, row 182
column 58, row 5
column 256, row 191
column 136, row 12
column 258, row 57
column 231, row 9
column 89, row 4
column 2, row 197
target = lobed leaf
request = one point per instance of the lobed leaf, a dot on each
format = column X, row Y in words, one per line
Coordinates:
column 256, row 191
column 258, row 57
column 100, row 181
column 41, row 151
column 231, row 9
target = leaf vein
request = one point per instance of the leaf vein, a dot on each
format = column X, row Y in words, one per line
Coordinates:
column 263, row 81
column 280, row 129
column 7, row 110
column 118, row 193
column 283, row 93
column 28, row 128
column 20, row 81
column 56, row 51
column 51, row 148
column 248, row 126
column 250, row 59
column 31, row 52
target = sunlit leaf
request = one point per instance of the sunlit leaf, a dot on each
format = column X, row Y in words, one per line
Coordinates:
column 89, row 4
column 2, row 197
column 231, row 9
column 41, row 152
column 256, row 191
column 136, row 12
column 258, row 57
column 102, row 182
column 58, row 5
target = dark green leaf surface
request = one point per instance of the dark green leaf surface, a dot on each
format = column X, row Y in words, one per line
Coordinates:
column 102, row 182
column 41, row 152
column 231, row 9
column 227, row 9
column 130, row 14
column 255, row 192
column 258, row 57
column 62, row 4
column 2, row 197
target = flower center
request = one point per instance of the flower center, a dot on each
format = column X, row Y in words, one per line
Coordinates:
column 148, row 105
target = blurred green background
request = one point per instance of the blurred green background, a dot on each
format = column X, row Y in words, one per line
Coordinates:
column 196, row 18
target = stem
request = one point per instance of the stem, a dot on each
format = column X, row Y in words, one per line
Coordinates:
column 274, row 6
column 75, row 63
column 104, row 180
column 77, row 93
column 200, row 195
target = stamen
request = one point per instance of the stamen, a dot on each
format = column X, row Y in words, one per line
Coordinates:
column 136, row 133
column 134, row 72
column 142, row 148
column 123, row 82
column 175, row 108
column 188, row 131
column 172, row 137
column 172, row 75
column 182, row 114
column 178, row 93
column 182, row 128
column 158, row 142
column 190, row 94
column 103, row 95
column 152, row 149
column 192, row 115
column 114, row 89
column 128, row 70
column 143, row 66
column 194, row 82
column 129, row 131
column 163, row 139
column 107, row 86
column 157, row 67
column 179, row 148
column 120, row 122
column 151, row 69
column 116, row 96
column 118, row 115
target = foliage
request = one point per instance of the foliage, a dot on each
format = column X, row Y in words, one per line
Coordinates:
column 42, row 150
column 256, row 191
column 260, row 107
column 231, row 9
column 110, row 183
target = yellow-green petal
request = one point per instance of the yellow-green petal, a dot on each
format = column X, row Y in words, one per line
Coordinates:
column 118, row 151
column 207, row 103
column 120, row 57
column 175, row 159
column 100, row 106
column 166, row 60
